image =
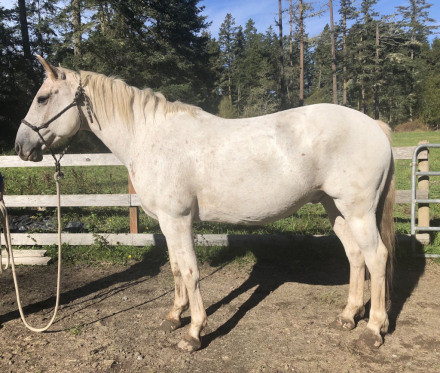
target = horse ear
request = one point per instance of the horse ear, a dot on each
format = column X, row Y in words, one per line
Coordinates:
column 52, row 72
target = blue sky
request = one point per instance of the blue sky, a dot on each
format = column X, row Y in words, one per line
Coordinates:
column 263, row 12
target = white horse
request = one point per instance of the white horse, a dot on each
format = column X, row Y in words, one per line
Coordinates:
column 188, row 165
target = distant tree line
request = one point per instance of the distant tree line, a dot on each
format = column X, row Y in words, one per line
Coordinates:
column 382, row 65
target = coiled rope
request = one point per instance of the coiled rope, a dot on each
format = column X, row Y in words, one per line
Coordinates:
column 5, row 222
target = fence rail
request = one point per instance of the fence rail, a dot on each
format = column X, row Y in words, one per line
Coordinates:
column 131, row 201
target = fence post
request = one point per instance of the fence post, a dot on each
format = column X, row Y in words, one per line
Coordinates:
column 423, row 184
column 134, row 212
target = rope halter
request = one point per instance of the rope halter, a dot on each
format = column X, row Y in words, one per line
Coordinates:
column 79, row 94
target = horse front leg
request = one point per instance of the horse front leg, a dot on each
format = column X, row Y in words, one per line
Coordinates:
column 181, row 302
column 178, row 233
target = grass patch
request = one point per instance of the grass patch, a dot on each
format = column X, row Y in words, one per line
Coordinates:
column 413, row 138
column 402, row 212
column 76, row 330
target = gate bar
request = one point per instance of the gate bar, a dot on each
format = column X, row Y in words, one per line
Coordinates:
column 414, row 200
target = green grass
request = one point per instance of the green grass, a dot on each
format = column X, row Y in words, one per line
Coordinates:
column 403, row 182
column 413, row 138
column 309, row 220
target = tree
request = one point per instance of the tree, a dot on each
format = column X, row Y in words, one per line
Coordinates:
column 332, row 30
column 76, row 23
column 281, row 54
column 302, row 11
column 322, row 88
column 347, row 12
column 416, row 20
column 226, row 41
column 25, row 42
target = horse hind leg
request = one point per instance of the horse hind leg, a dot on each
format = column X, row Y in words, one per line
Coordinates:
column 355, row 304
column 363, row 227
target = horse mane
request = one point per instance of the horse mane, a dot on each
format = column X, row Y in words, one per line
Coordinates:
column 112, row 97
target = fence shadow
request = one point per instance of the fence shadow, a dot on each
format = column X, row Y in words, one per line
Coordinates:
column 148, row 267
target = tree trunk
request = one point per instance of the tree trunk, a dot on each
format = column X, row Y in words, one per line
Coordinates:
column 76, row 23
column 362, row 96
column 229, row 88
column 412, row 79
column 38, row 31
column 319, row 80
column 361, row 81
column 390, row 101
column 291, row 54
column 238, row 100
column 344, row 49
column 280, row 27
column 376, row 87
column 301, row 54
column 332, row 36
column 24, row 31
column 27, row 45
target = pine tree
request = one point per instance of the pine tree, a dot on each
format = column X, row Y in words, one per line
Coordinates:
column 303, row 10
column 332, row 31
column 322, row 72
column 416, row 20
column 226, row 40
column 347, row 12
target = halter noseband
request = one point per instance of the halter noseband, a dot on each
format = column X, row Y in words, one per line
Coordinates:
column 80, row 93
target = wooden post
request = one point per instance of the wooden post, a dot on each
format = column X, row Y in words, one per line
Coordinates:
column 134, row 212
column 423, row 184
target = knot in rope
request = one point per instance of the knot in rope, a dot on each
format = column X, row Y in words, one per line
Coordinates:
column 58, row 175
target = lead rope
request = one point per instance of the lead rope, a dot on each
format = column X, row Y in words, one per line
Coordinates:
column 57, row 176
column 4, row 217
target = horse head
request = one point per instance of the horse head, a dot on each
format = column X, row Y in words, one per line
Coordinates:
column 55, row 96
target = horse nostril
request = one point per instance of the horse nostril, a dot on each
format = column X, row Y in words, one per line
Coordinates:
column 17, row 148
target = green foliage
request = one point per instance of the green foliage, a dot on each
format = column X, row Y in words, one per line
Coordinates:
column 164, row 45
column 226, row 109
column 76, row 330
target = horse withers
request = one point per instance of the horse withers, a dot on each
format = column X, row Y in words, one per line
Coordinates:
column 245, row 171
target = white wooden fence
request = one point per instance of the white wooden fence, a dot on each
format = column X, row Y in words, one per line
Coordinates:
column 132, row 201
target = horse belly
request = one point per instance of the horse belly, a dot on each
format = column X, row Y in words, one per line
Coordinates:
column 254, row 206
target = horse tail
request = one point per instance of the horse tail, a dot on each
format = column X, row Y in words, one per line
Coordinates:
column 385, row 218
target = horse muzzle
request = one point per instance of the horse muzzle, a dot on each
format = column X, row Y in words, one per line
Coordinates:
column 31, row 154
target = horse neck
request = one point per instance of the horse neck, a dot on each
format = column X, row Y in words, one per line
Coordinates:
column 116, row 136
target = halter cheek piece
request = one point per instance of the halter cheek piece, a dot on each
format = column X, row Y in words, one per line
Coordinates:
column 80, row 93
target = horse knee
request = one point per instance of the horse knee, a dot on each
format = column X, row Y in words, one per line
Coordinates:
column 190, row 277
column 176, row 272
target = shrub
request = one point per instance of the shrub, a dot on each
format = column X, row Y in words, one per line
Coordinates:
column 416, row 125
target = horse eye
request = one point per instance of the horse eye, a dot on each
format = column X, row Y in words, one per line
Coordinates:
column 42, row 99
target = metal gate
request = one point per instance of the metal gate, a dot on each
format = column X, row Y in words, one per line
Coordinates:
column 414, row 200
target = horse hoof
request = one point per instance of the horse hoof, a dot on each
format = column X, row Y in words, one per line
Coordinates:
column 369, row 340
column 343, row 323
column 384, row 328
column 169, row 326
column 189, row 344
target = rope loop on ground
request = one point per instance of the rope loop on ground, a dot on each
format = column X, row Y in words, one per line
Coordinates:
column 5, row 222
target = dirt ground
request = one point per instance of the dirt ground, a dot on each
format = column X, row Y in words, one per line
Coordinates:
column 262, row 317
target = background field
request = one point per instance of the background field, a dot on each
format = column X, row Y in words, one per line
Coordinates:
column 309, row 220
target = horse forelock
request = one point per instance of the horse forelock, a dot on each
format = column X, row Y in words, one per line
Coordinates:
column 111, row 97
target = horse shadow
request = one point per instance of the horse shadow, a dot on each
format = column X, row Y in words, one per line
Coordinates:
column 313, row 261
